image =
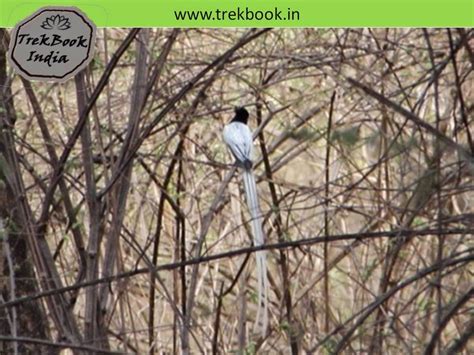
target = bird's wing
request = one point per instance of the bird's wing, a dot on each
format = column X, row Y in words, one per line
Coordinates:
column 238, row 137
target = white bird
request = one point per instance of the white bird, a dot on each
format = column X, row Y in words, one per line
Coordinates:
column 238, row 138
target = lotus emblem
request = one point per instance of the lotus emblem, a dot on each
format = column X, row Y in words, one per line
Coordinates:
column 56, row 22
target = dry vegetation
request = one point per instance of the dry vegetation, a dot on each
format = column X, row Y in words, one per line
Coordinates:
column 122, row 216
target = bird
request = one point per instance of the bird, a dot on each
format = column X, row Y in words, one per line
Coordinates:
column 238, row 138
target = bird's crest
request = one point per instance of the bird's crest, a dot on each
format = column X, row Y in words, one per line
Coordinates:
column 241, row 115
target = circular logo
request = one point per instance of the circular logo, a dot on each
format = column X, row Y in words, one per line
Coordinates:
column 53, row 44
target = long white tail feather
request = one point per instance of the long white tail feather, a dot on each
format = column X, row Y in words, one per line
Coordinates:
column 250, row 187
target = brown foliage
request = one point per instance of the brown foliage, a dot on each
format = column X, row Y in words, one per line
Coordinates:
column 135, row 224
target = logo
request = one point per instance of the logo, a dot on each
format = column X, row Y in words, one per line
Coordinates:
column 53, row 44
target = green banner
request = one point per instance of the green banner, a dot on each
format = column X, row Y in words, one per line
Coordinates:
column 258, row 13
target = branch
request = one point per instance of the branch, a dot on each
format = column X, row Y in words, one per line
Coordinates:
column 412, row 117
column 242, row 251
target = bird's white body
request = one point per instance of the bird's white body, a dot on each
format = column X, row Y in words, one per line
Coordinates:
column 238, row 138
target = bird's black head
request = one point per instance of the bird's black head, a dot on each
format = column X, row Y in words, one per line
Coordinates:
column 241, row 115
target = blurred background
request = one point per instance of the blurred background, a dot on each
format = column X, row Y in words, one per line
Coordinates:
column 364, row 162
